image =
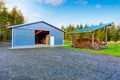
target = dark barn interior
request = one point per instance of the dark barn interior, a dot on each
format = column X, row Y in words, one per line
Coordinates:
column 42, row 37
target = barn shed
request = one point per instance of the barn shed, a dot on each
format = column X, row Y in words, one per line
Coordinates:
column 37, row 33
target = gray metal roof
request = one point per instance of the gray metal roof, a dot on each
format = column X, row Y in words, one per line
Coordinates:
column 15, row 26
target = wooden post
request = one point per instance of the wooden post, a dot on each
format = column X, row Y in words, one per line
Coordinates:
column 92, row 39
column 71, row 40
column 71, row 37
column 76, row 35
column 106, row 35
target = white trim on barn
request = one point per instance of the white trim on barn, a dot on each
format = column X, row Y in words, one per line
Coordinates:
column 12, row 38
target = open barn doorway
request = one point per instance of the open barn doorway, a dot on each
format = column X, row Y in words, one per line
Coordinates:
column 42, row 37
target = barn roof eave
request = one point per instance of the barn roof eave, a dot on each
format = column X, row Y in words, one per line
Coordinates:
column 20, row 25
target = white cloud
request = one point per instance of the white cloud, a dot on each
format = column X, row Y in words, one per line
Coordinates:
column 53, row 2
column 82, row 2
column 98, row 6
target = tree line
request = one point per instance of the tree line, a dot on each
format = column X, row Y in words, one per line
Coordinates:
column 113, row 32
column 9, row 18
column 15, row 16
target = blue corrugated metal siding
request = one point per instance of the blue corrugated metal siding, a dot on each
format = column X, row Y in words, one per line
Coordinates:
column 58, row 35
column 23, row 37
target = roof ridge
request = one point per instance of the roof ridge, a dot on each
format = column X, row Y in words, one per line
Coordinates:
column 20, row 25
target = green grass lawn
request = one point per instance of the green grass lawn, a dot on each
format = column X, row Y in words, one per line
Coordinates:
column 112, row 50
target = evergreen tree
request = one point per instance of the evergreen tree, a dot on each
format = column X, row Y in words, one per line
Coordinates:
column 16, row 17
column 113, row 33
column 8, row 18
column 86, row 34
column 118, row 32
column 63, row 28
column 3, row 20
column 81, row 34
column 1, row 24
column 78, row 34
column 101, row 34
column 108, row 33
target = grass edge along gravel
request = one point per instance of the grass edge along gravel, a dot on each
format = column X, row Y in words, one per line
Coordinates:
column 112, row 50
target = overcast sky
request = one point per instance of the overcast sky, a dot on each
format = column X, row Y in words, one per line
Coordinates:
column 64, row 12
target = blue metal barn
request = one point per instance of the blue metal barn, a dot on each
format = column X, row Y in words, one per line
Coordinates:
column 29, row 35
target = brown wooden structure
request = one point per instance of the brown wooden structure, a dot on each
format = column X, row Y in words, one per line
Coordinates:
column 90, row 43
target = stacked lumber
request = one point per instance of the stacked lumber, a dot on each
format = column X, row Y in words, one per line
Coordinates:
column 87, row 43
column 98, row 46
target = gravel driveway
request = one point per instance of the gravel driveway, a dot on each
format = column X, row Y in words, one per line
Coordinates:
column 56, row 64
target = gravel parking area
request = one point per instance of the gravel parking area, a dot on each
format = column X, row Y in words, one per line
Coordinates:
column 56, row 64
